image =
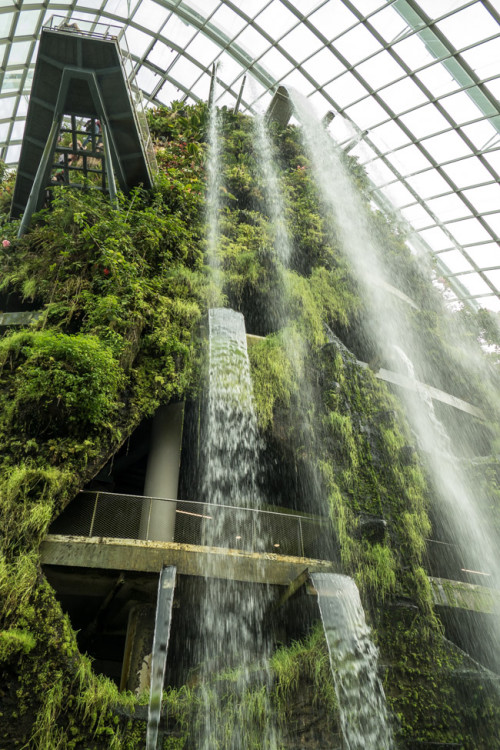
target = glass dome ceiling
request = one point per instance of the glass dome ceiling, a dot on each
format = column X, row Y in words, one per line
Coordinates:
column 415, row 93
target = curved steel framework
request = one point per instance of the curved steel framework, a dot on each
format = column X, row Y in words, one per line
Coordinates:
column 417, row 94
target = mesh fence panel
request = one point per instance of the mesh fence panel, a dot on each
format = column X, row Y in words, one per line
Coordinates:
column 106, row 514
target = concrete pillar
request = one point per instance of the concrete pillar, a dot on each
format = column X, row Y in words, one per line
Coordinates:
column 136, row 669
column 162, row 474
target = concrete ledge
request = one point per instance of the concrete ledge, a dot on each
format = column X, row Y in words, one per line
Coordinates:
column 403, row 381
column 190, row 559
column 468, row 596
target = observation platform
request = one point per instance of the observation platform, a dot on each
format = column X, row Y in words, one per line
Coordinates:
column 141, row 556
column 103, row 530
column 80, row 74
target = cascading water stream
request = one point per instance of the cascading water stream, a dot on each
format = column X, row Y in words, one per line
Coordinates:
column 272, row 191
column 456, row 501
column 212, row 199
column 353, row 659
column 231, row 633
column 163, row 621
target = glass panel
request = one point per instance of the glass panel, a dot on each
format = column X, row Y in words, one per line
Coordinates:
column 436, row 239
column 380, row 69
column 494, row 87
column 467, row 172
column 13, row 154
column 455, row 261
column 446, row 147
column 474, row 283
column 429, row 6
column 333, row 19
column 367, row 113
column 485, row 198
column 481, row 133
column 494, row 277
column 345, row 90
column 185, row 72
column 403, row 95
column 485, row 58
column 448, row 207
column 428, row 183
column 201, row 89
column 7, row 107
column 468, row 231
column 389, row 23
column 438, row 80
column 169, row 93
column 137, row 41
column 301, row 43
column 408, row 160
column 146, row 79
column 252, row 41
column 484, row 255
column 4, row 130
column 493, row 221
column 5, row 24
column 162, row 56
column 19, row 53
column 369, row 6
column 256, row 7
column 417, row 216
column 493, row 158
column 227, row 20
column 461, row 107
column 26, row 22
column 323, row 66
column 425, row 121
column 18, row 130
column 468, row 26
column 357, row 44
column 203, row 50
column 388, row 136
column 276, row 20
column 276, row 63
column 414, row 52
column 150, row 15
column 178, row 31
column 398, row 195
column 229, row 69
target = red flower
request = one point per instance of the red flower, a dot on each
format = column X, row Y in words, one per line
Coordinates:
column 105, row 271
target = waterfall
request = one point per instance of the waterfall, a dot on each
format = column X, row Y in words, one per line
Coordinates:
column 212, row 198
column 163, row 621
column 455, row 498
column 231, row 632
column 272, row 191
column 231, row 448
column 353, row 659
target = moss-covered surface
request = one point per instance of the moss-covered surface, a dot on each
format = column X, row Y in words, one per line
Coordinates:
column 122, row 291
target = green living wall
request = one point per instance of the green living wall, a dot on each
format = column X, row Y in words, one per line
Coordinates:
column 122, row 291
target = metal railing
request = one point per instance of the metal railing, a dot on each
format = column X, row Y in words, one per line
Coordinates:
column 83, row 27
column 104, row 514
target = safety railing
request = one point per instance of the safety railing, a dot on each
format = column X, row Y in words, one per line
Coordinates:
column 82, row 27
column 105, row 514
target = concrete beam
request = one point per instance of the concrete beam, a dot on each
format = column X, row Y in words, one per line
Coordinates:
column 150, row 557
column 403, row 381
column 467, row 596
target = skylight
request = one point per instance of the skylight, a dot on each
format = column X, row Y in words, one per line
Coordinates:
column 416, row 83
